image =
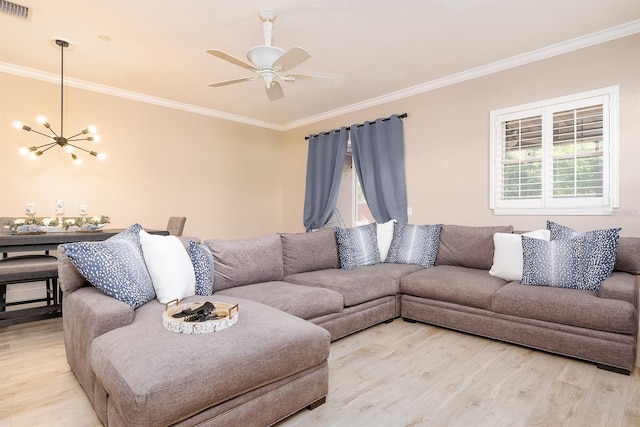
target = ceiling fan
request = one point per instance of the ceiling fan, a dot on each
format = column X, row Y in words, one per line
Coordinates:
column 271, row 63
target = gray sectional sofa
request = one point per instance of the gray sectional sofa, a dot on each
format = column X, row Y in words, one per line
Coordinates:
column 298, row 299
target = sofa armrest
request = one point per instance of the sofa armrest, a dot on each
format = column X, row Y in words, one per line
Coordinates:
column 620, row 286
column 87, row 314
column 69, row 277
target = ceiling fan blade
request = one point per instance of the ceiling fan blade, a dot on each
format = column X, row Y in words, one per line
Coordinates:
column 230, row 82
column 291, row 58
column 310, row 80
column 275, row 91
column 232, row 59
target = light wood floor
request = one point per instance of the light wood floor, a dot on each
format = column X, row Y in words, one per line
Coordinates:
column 397, row 374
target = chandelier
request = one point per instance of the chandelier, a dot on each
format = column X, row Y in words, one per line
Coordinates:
column 66, row 143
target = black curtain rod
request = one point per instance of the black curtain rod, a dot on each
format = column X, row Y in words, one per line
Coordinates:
column 400, row 116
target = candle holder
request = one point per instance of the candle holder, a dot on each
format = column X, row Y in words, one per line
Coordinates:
column 30, row 210
column 83, row 213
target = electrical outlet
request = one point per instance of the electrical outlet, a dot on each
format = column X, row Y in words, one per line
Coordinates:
column 409, row 211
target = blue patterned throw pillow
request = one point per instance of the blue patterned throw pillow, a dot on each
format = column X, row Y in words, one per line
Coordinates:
column 558, row 231
column 414, row 244
column 202, row 261
column 550, row 263
column 597, row 252
column 358, row 246
column 116, row 266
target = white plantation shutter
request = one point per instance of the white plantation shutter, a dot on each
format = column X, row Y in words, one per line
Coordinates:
column 557, row 156
column 521, row 170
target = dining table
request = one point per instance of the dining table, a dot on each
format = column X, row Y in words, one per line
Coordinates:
column 37, row 242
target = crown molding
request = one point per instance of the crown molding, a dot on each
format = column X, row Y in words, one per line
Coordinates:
column 571, row 45
column 134, row 96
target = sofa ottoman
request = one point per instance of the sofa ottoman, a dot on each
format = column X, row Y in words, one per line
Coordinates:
column 263, row 368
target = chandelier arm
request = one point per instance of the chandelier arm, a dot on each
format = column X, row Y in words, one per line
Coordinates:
column 43, row 134
column 53, row 132
column 48, row 145
column 93, row 153
column 77, row 134
column 53, row 144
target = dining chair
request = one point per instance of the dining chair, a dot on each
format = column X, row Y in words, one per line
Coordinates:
column 28, row 269
column 16, row 269
column 175, row 226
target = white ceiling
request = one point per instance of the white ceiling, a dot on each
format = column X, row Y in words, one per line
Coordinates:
column 376, row 49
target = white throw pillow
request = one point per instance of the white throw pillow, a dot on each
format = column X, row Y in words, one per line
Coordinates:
column 507, row 255
column 385, row 236
column 169, row 266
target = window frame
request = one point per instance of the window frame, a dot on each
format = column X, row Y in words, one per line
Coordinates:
column 547, row 204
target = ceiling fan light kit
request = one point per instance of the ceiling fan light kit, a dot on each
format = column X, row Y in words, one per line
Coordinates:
column 271, row 63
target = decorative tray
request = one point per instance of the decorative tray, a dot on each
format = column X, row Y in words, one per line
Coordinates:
column 198, row 318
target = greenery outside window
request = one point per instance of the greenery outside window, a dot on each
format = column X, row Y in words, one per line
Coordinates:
column 558, row 156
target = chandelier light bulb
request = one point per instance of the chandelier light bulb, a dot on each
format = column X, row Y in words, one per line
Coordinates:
column 92, row 129
column 41, row 119
column 33, row 155
column 68, row 149
column 17, row 124
column 24, row 151
column 102, row 156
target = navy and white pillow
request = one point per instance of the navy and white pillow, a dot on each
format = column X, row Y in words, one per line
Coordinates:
column 597, row 255
column 358, row 246
column 551, row 263
column 202, row 261
column 414, row 244
column 116, row 266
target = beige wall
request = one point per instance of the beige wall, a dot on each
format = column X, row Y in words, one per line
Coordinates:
column 447, row 139
column 234, row 180
column 223, row 176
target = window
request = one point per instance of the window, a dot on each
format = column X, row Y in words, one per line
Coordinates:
column 361, row 208
column 352, row 209
column 557, row 156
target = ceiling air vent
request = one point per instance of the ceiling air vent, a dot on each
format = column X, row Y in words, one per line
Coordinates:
column 14, row 9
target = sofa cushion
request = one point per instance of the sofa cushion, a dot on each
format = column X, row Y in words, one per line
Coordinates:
column 202, row 261
column 579, row 308
column 459, row 285
column 465, row 246
column 306, row 302
column 198, row 371
column 245, row 261
column 309, row 251
column 358, row 246
column 358, row 285
column 115, row 266
column 507, row 256
column 169, row 266
column 414, row 244
column 627, row 258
